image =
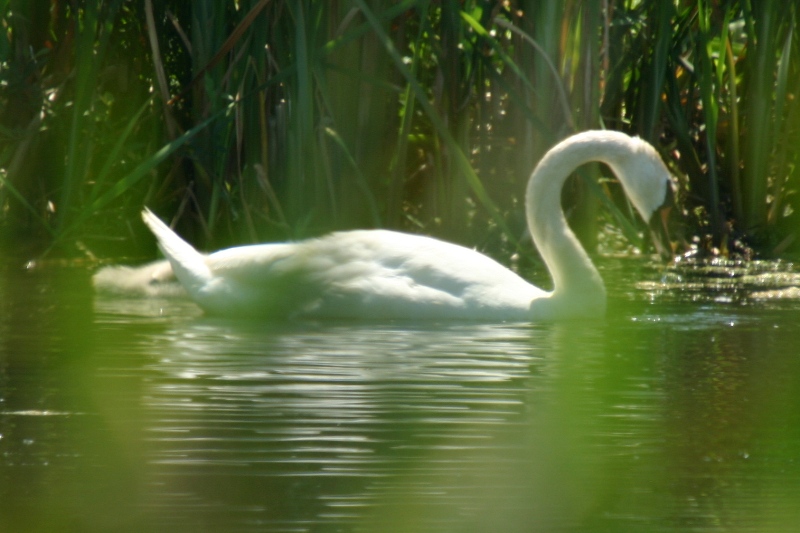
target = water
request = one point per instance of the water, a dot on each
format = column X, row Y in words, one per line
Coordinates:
column 678, row 412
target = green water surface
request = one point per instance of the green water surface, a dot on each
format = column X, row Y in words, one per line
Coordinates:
column 678, row 412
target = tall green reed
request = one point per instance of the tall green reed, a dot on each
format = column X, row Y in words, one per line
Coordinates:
column 715, row 82
column 756, row 102
column 267, row 119
column 75, row 108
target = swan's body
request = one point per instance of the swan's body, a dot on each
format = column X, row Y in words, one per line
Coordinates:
column 385, row 274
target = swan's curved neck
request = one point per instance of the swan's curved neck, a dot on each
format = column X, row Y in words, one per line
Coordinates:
column 572, row 271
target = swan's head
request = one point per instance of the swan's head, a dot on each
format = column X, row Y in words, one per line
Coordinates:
column 649, row 185
column 644, row 176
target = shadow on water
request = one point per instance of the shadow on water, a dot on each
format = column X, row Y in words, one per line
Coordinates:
column 128, row 415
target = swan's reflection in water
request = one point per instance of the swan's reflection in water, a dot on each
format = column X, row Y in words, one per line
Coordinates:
column 642, row 419
column 327, row 422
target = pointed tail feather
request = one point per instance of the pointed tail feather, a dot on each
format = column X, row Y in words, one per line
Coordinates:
column 188, row 264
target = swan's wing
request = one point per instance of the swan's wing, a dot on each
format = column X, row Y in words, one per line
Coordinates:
column 348, row 255
column 371, row 273
column 251, row 264
column 397, row 274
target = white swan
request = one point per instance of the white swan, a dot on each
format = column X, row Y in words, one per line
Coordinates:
column 386, row 274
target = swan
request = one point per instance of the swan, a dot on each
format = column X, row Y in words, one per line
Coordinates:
column 381, row 274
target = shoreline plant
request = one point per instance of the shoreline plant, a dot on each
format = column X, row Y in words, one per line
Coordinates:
column 259, row 120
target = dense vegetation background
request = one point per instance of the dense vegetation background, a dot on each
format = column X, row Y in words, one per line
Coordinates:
column 256, row 120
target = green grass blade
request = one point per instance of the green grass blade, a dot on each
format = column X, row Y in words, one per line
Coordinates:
column 733, row 151
column 114, row 155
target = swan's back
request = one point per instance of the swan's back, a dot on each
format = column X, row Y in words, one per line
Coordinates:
column 365, row 274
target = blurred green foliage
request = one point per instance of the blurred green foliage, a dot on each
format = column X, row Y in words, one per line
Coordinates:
column 257, row 120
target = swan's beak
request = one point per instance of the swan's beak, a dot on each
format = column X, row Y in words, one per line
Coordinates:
column 659, row 227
